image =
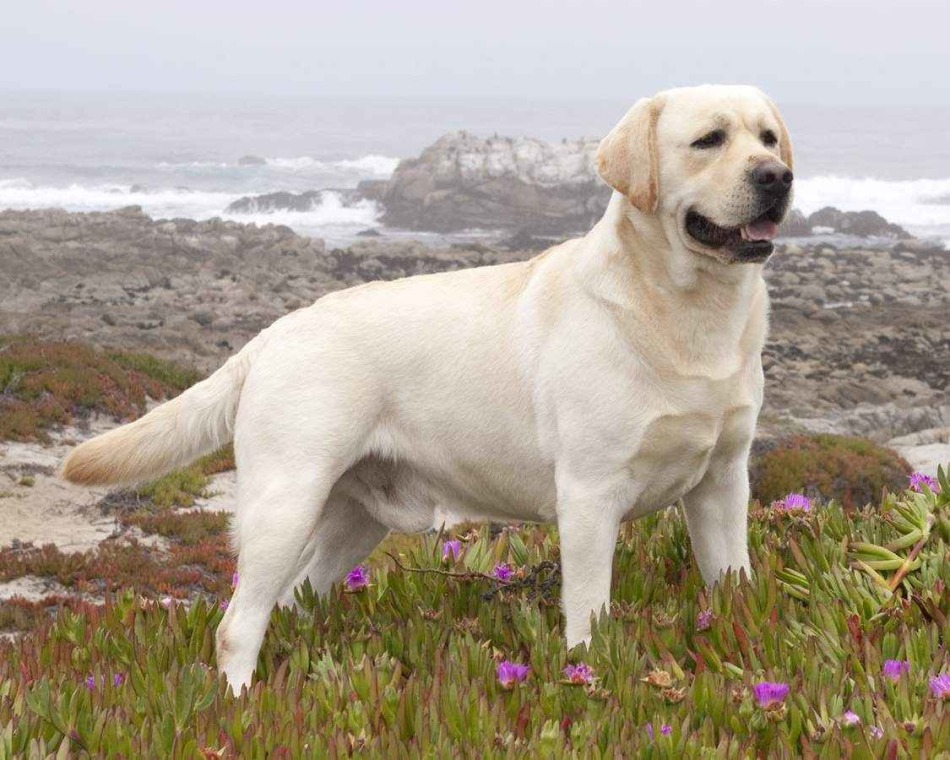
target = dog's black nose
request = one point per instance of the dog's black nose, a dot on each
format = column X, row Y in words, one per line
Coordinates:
column 772, row 177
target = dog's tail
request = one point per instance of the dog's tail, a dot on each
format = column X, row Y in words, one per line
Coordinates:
column 173, row 434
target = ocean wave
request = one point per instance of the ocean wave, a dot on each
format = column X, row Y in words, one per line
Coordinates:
column 18, row 193
column 912, row 203
column 330, row 211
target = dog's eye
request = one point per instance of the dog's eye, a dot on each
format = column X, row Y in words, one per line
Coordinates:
column 711, row 140
column 768, row 138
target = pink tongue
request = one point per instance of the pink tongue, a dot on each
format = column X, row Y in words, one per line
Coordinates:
column 761, row 229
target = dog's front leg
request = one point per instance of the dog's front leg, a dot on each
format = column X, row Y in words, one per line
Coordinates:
column 716, row 515
column 587, row 526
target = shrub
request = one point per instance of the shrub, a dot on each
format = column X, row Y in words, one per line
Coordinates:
column 851, row 470
column 44, row 384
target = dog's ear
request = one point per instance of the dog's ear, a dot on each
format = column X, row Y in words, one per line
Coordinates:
column 785, row 142
column 627, row 157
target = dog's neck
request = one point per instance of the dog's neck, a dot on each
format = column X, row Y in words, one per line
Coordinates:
column 708, row 309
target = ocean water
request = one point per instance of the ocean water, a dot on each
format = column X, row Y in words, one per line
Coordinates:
column 179, row 156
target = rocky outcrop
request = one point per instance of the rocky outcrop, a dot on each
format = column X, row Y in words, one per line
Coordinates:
column 859, row 223
column 464, row 181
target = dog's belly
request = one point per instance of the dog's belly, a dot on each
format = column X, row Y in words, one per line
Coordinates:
column 405, row 496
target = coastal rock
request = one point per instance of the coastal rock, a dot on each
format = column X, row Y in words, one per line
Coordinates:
column 795, row 225
column 859, row 223
column 464, row 181
column 284, row 201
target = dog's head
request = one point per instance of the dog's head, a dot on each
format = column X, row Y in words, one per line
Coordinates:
column 712, row 163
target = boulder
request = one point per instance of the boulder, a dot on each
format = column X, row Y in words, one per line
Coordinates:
column 859, row 223
column 516, row 184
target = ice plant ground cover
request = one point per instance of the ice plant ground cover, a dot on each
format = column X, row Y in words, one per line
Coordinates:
column 407, row 664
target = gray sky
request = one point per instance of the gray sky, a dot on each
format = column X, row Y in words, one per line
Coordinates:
column 802, row 51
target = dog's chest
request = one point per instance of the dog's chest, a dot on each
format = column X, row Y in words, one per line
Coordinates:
column 677, row 443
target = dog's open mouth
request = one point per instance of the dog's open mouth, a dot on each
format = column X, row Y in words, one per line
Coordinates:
column 750, row 242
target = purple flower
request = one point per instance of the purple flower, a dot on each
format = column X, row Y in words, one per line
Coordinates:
column 510, row 673
column 118, row 679
column 451, row 550
column 665, row 730
column 704, row 620
column 794, row 502
column 849, row 718
column 502, row 572
column 876, row 732
column 768, row 694
column 90, row 682
column 894, row 669
column 917, row 480
column 579, row 674
column 223, row 605
column 234, row 579
column 357, row 578
column 940, row 686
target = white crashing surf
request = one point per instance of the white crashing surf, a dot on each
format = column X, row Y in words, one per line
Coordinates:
column 922, row 206
column 330, row 211
column 159, row 203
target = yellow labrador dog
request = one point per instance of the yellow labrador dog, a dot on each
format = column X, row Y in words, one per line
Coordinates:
column 603, row 380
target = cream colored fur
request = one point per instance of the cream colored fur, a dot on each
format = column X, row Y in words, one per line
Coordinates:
column 603, row 380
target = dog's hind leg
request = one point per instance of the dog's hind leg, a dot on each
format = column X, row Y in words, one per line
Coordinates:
column 276, row 521
column 345, row 535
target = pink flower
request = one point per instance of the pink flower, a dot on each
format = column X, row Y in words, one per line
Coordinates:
column 451, row 550
column 704, row 620
column 894, row 669
column 510, row 673
column 234, row 579
column 940, row 686
column 223, row 605
column 502, row 572
column 579, row 674
column 876, row 732
column 357, row 578
column 917, row 480
column 768, row 694
column 794, row 502
column 849, row 718
column 167, row 602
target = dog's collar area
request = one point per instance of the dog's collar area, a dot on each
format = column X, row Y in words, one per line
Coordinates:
column 751, row 242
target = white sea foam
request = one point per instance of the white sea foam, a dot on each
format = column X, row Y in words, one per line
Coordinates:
column 329, row 212
column 920, row 204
